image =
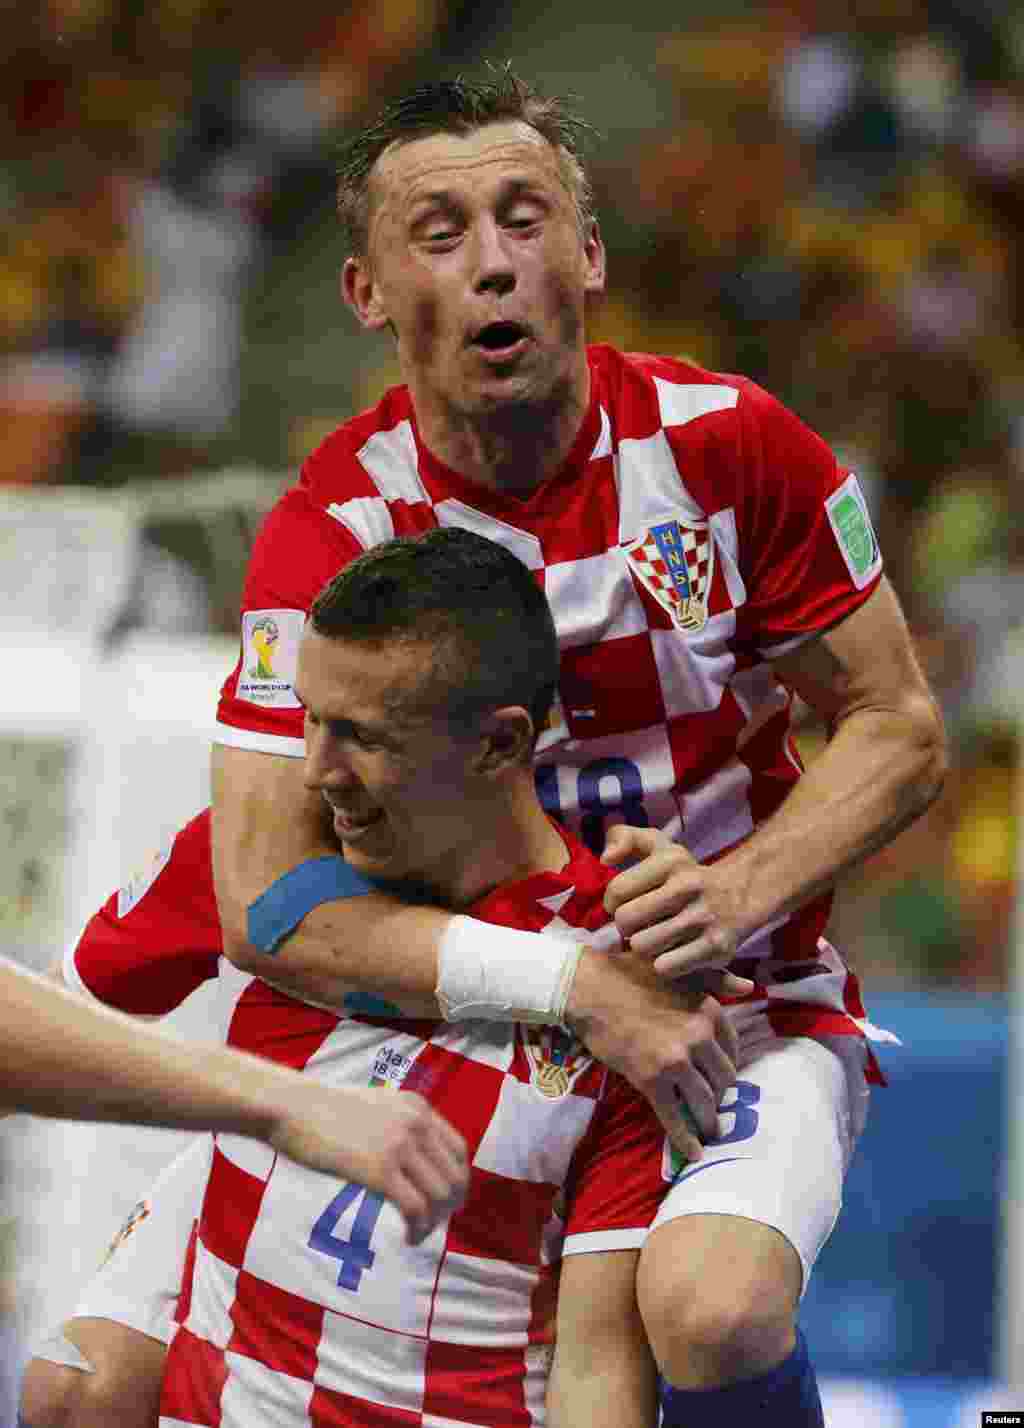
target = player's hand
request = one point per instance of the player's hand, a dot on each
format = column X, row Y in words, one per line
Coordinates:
column 393, row 1143
column 672, row 1041
column 682, row 915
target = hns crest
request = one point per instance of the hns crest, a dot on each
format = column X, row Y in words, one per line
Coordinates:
column 675, row 562
column 556, row 1059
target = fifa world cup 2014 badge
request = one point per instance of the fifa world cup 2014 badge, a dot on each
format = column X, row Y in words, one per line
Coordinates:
column 556, row 1059
column 675, row 563
column 265, row 635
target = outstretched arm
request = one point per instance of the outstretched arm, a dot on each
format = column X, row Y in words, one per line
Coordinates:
column 65, row 1058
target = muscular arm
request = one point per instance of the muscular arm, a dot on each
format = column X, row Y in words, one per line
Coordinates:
column 883, row 765
column 265, row 822
column 603, row 1373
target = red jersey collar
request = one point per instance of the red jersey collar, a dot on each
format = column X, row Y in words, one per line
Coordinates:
column 582, row 874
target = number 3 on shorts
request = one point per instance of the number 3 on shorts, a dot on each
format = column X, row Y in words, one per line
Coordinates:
column 354, row 1254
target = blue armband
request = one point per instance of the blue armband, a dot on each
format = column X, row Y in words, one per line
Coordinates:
column 279, row 910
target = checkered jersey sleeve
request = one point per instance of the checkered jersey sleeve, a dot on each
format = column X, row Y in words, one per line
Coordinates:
column 300, row 546
column 807, row 552
column 154, row 941
column 619, row 1174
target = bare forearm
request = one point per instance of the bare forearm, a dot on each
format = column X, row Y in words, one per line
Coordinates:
column 64, row 1058
column 344, row 951
column 878, row 773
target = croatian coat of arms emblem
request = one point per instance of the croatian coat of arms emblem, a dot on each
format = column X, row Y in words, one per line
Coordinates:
column 676, row 562
column 556, row 1059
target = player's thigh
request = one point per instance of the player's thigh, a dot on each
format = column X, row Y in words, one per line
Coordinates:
column 117, row 1386
column 111, row 1350
column 139, row 1283
column 739, row 1232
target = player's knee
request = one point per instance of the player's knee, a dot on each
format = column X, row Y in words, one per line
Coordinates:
column 123, row 1388
column 714, row 1323
column 47, row 1396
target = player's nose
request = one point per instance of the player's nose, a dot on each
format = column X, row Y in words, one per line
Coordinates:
column 493, row 268
column 325, row 766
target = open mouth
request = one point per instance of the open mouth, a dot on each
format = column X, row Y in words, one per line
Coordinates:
column 355, row 823
column 499, row 339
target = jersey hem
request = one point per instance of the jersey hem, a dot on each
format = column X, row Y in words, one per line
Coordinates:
column 596, row 1241
column 258, row 743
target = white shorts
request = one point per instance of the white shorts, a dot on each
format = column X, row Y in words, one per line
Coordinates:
column 139, row 1282
column 787, row 1132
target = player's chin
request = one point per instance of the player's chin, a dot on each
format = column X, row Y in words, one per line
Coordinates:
column 376, row 858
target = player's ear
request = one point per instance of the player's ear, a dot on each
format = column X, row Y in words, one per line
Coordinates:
column 594, row 258
column 360, row 291
column 506, row 740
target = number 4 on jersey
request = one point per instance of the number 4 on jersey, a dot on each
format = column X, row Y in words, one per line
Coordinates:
column 354, row 1254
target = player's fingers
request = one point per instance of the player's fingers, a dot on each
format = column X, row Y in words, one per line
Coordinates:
column 667, row 908
column 742, row 1012
column 447, row 1150
column 412, row 1204
column 437, row 1181
column 679, row 1123
column 677, row 950
column 727, row 1041
column 428, row 1125
column 711, row 981
column 646, row 875
column 690, row 1086
column 717, row 1067
column 754, row 1036
column 624, row 841
column 454, row 1169
column 728, row 984
column 453, row 1142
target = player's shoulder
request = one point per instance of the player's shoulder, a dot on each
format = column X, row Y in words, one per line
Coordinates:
column 335, row 470
column 648, row 390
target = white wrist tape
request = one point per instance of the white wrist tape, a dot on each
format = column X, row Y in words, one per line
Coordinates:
column 493, row 973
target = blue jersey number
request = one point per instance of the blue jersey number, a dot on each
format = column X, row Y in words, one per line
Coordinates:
column 627, row 798
column 742, row 1109
column 354, row 1254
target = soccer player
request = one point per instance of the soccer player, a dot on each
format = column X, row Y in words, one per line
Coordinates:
column 310, row 1302
column 65, row 1059
column 705, row 558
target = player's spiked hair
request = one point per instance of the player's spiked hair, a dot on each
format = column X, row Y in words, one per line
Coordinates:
column 458, row 106
column 486, row 618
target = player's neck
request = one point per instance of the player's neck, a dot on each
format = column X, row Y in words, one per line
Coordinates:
column 512, row 448
column 518, row 843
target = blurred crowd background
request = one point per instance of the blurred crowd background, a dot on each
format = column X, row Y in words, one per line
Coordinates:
column 826, row 197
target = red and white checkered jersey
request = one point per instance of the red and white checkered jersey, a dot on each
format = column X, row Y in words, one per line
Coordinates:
column 697, row 528
column 306, row 1306
column 157, row 938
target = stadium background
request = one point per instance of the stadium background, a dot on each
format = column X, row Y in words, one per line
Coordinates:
column 826, row 197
